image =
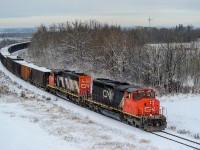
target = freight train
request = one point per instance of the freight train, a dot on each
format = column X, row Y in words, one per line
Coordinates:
column 128, row 103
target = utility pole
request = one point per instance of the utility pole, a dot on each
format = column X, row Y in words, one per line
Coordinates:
column 149, row 21
column 150, row 36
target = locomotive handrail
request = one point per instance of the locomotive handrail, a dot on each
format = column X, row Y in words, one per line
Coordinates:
column 163, row 111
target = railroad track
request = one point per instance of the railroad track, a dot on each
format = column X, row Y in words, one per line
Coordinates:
column 178, row 139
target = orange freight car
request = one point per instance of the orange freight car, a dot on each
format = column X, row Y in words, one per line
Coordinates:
column 25, row 72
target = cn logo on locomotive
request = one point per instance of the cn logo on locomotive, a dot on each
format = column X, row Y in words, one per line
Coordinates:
column 149, row 109
column 108, row 94
column 85, row 85
column 85, row 82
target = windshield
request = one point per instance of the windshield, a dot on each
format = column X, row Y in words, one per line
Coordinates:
column 142, row 94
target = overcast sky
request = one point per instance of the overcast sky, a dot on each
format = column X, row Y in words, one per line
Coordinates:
column 31, row 13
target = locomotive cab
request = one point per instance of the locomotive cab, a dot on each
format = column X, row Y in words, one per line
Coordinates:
column 141, row 102
column 144, row 104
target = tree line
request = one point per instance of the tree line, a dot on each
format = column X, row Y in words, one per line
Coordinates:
column 6, row 42
column 166, row 59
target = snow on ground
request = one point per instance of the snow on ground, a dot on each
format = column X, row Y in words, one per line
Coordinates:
column 37, row 120
column 19, row 131
column 183, row 114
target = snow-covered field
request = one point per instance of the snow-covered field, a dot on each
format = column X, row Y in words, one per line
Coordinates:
column 37, row 120
column 183, row 114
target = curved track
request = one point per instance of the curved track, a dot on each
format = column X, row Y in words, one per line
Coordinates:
column 178, row 139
